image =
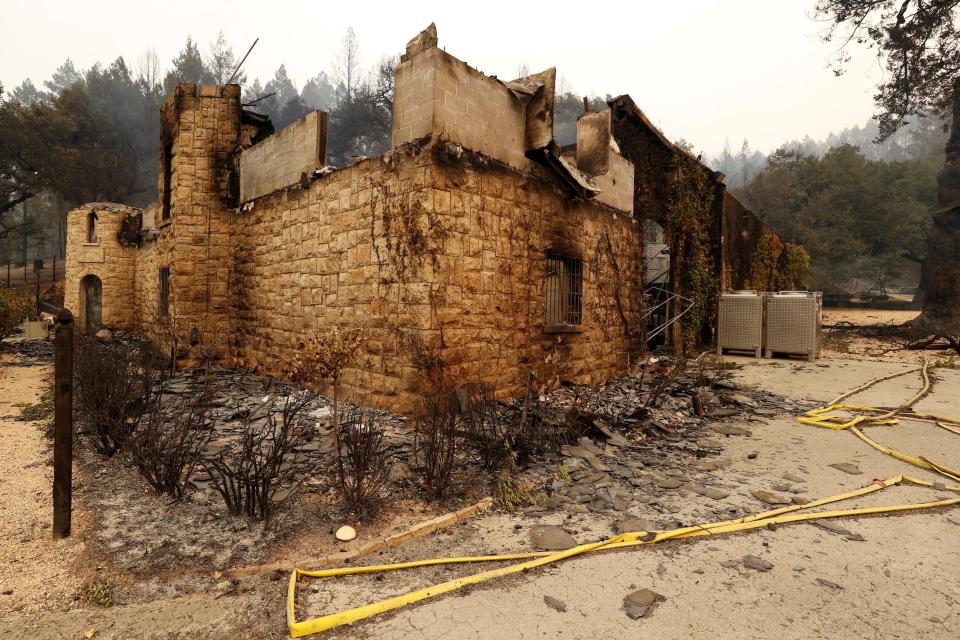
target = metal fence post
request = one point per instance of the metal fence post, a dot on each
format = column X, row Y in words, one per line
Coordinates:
column 63, row 425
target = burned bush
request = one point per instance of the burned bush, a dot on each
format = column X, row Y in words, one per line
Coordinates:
column 363, row 462
column 248, row 474
column 467, row 422
column 14, row 308
column 538, row 429
column 167, row 443
column 112, row 383
column 438, row 440
column 485, row 431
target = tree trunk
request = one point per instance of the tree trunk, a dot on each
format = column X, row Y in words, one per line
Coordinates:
column 941, row 305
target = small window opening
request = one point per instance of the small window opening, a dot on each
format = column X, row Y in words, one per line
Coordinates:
column 92, row 227
column 167, row 162
column 164, row 308
column 564, row 291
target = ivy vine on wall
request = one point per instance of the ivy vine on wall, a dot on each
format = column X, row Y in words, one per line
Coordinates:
column 691, row 196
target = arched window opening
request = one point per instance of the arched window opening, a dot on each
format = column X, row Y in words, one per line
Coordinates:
column 91, row 303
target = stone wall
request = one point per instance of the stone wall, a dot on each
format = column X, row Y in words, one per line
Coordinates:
column 440, row 252
column 436, row 93
column 105, row 259
column 282, row 159
column 203, row 124
column 439, row 258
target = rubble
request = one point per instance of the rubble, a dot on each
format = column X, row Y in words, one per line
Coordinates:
column 551, row 538
column 32, row 352
column 770, row 497
column 632, row 447
column 641, row 603
column 828, row 583
column 847, row 467
column 758, row 564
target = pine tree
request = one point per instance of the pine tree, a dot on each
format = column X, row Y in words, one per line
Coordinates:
column 188, row 66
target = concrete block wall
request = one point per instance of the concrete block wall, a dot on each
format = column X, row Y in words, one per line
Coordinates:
column 593, row 142
column 437, row 93
column 281, row 160
column 617, row 184
column 478, row 112
column 413, row 98
column 596, row 156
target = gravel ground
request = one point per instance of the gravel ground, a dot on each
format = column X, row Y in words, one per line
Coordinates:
column 35, row 571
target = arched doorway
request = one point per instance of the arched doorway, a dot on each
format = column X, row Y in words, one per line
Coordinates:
column 91, row 303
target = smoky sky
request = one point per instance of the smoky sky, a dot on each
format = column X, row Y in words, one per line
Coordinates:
column 710, row 72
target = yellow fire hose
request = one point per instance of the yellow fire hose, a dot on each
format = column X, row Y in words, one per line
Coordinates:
column 874, row 416
column 784, row 515
column 869, row 416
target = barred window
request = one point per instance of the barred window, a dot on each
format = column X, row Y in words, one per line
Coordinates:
column 563, row 287
column 164, row 292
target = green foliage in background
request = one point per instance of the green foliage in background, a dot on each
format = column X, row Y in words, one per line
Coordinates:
column 851, row 214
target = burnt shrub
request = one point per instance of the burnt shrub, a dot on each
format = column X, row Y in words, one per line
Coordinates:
column 14, row 308
column 438, row 440
column 113, row 383
column 485, row 431
column 249, row 473
column 363, row 462
column 535, row 429
column 167, row 443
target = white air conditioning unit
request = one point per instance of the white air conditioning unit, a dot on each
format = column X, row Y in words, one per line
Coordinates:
column 740, row 322
column 793, row 323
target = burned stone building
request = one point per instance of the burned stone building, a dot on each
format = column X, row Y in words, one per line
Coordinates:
column 476, row 244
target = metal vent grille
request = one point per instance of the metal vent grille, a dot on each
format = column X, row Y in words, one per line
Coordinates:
column 740, row 322
column 793, row 323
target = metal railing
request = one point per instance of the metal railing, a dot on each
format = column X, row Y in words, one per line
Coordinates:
column 656, row 315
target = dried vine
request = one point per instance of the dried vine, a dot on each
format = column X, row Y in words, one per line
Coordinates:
column 412, row 231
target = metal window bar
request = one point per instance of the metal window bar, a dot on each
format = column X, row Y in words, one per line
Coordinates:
column 563, row 288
